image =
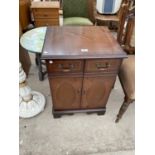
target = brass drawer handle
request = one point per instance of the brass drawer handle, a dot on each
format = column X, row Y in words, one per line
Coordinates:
column 70, row 67
column 66, row 70
column 101, row 69
column 102, row 66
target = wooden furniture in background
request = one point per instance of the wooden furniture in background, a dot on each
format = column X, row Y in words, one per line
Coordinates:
column 24, row 14
column 82, row 65
column 45, row 13
column 126, row 28
column 24, row 57
column 126, row 35
column 109, row 18
column 24, row 21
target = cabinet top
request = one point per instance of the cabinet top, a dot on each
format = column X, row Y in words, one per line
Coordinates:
column 80, row 42
column 44, row 4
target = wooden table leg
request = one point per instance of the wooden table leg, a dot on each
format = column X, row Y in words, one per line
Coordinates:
column 40, row 73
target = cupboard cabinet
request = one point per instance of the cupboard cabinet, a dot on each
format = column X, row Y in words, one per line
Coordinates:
column 82, row 65
column 77, row 87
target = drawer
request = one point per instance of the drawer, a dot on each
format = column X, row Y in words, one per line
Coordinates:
column 64, row 66
column 45, row 13
column 102, row 65
column 46, row 22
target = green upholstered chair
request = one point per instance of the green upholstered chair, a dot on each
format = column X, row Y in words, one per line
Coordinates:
column 126, row 35
column 78, row 12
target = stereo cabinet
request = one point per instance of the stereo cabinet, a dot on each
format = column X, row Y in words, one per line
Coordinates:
column 81, row 85
column 82, row 65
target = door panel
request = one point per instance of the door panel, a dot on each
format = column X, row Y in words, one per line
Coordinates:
column 96, row 91
column 66, row 92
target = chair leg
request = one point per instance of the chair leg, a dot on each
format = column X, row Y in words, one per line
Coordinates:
column 123, row 108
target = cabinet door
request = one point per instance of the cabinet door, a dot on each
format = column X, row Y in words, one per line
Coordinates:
column 66, row 92
column 96, row 91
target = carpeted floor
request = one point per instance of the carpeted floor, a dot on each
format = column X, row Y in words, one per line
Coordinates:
column 80, row 134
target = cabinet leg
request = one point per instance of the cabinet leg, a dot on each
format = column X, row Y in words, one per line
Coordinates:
column 90, row 113
column 97, row 111
column 101, row 113
column 70, row 114
column 56, row 115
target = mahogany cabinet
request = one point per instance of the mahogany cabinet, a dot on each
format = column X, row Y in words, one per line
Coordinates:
column 81, row 85
column 81, row 79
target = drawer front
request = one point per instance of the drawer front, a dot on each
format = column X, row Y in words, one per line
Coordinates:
column 64, row 66
column 46, row 22
column 46, row 13
column 102, row 65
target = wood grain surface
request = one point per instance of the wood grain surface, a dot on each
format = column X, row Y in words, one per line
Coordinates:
column 70, row 42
